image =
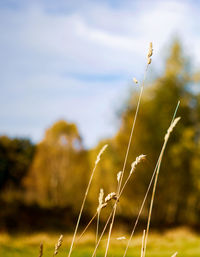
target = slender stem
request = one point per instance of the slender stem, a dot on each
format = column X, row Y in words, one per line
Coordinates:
column 140, row 211
column 157, row 167
column 86, row 227
column 155, row 182
column 85, row 196
column 81, row 210
column 125, row 161
column 102, row 233
column 97, row 229
column 143, row 239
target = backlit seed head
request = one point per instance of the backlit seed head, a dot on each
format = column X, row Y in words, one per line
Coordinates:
column 135, row 81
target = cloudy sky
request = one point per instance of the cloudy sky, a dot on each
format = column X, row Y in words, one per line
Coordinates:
column 75, row 59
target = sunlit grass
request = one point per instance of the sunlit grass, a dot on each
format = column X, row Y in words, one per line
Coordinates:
column 163, row 245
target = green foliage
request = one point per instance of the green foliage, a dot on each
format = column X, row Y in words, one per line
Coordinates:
column 15, row 158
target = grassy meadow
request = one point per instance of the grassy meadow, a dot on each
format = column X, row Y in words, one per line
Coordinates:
column 182, row 240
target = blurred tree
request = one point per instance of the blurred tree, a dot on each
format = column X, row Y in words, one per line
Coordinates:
column 60, row 167
column 15, row 158
column 175, row 200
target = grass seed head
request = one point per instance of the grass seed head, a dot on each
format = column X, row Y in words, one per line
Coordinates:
column 58, row 245
column 111, row 196
column 136, row 162
column 41, row 250
column 100, row 153
column 101, row 194
column 149, row 61
column 119, row 174
column 170, row 129
column 121, row 238
column 150, row 53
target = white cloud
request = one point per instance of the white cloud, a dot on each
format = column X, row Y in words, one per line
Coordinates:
column 45, row 53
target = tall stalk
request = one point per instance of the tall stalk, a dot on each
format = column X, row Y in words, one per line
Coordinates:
column 173, row 124
column 155, row 173
column 150, row 52
column 85, row 196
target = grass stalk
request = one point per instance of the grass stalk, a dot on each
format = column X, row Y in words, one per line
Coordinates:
column 150, row 183
column 84, row 199
column 143, row 239
column 170, row 129
column 125, row 161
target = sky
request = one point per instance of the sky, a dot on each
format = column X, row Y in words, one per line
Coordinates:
column 75, row 59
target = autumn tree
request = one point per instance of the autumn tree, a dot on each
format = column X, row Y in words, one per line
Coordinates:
column 60, row 168
column 179, row 179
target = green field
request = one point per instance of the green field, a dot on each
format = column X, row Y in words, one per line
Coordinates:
column 183, row 241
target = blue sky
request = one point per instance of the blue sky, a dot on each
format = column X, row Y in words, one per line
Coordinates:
column 75, row 60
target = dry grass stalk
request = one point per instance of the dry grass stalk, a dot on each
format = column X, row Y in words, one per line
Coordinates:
column 58, row 245
column 41, row 250
column 101, row 194
column 100, row 206
column 142, row 247
column 170, row 129
column 175, row 254
column 150, row 53
column 119, row 174
column 100, row 153
column 126, row 156
column 133, row 167
column 102, row 233
column 85, row 196
column 110, row 197
column 140, row 211
column 83, row 232
column 136, row 162
column 149, row 186
column 121, row 238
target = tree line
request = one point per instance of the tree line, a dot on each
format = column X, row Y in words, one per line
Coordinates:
column 55, row 172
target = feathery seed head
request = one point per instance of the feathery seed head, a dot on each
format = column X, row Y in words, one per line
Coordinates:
column 136, row 162
column 143, row 239
column 171, row 127
column 121, row 238
column 101, row 194
column 150, row 53
column 58, row 245
column 135, row 80
column 148, row 60
column 119, row 174
column 111, row 196
column 100, row 153
column 41, row 250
